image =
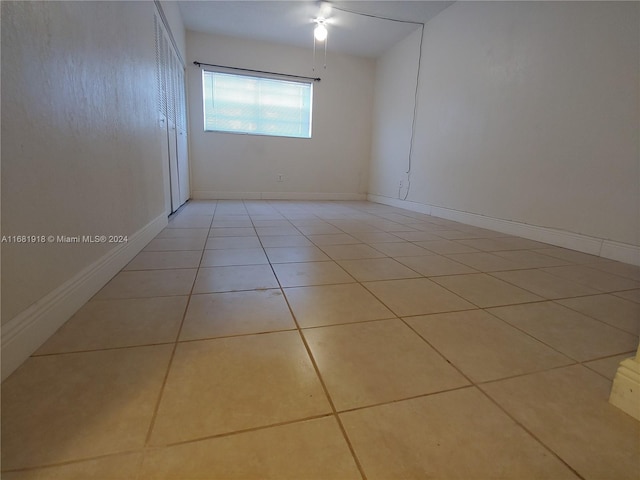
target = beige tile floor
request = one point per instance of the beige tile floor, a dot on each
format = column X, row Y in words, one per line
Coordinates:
column 333, row 340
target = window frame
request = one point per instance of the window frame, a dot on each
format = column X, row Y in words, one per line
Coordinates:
column 302, row 81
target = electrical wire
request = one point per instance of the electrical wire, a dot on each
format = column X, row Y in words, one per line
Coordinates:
column 415, row 112
column 346, row 10
column 415, row 98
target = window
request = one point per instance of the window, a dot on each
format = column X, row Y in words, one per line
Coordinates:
column 256, row 105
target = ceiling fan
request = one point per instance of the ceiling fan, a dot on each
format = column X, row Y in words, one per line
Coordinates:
column 320, row 32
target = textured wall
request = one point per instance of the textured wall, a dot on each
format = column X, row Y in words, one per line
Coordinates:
column 79, row 136
column 530, row 112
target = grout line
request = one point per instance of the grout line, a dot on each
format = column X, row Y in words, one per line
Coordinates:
column 238, row 335
column 322, row 383
column 103, row 349
column 531, row 434
column 530, row 335
column 173, row 354
column 476, row 385
column 244, row 430
column 591, row 316
column 72, row 462
column 404, row 399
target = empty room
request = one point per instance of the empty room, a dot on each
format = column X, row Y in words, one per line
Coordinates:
column 335, row 240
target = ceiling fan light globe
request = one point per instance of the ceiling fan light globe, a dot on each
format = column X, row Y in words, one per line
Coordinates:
column 320, row 32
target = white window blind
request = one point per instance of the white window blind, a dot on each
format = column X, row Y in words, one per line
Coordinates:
column 256, row 105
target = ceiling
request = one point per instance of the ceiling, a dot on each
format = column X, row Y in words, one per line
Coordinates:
column 291, row 22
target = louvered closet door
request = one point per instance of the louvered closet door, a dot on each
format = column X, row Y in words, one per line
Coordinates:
column 173, row 141
column 172, row 108
column 181, row 129
column 163, row 126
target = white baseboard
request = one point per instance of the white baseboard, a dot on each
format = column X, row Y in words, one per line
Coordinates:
column 24, row 333
column 625, row 392
column 583, row 243
column 215, row 195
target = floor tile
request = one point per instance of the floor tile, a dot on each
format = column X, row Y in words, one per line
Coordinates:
column 272, row 223
column 232, row 232
column 183, row 233
column 165, row 260
column 295, row 254
column 229, row 279
column 400, row 249
column 267, row 231
column 529, row 259
column 426, row 227
column 324, row 229
column 483, row 347
column 119, row 323
column 458, row 234
column 285, row 241
column 310, row 273
column 447, row 435
column 232, row 242
column 567, row 409
column 489, row 244
column 334, row 304
column 172, row 244
column 72, row 406
column 314, row 449
column 633, row 295
column 544, row 284
column 236, row 313
column 149, row 283
column 398, row 216
column 231, row 221
column 375, row 237
column 124, row 466
column 258, row 380
column 485, row 262
column 304, row 220
column 394, row 227
column 446, row 247
column 608, row 367
column 417, row 236
column 435, row 265
column 353, row 228
column 333, row 239
column 190, row 221
column 519, row 243
column 355, row 251
column 569, row 255
column 498, row 244
column 366, row 270
column 200, row 207
column 486, row 291
column 603, row 281
column 478, row 232
column 610, row 309
column 234, row 256
column 387, row 362
column 572, row 333
column 231, row 209
column 417, row 296
column 618, row 268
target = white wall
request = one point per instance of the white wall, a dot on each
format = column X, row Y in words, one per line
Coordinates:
column 80, row 151
column 394, row 100
column 331, row 165
column 529, row 112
